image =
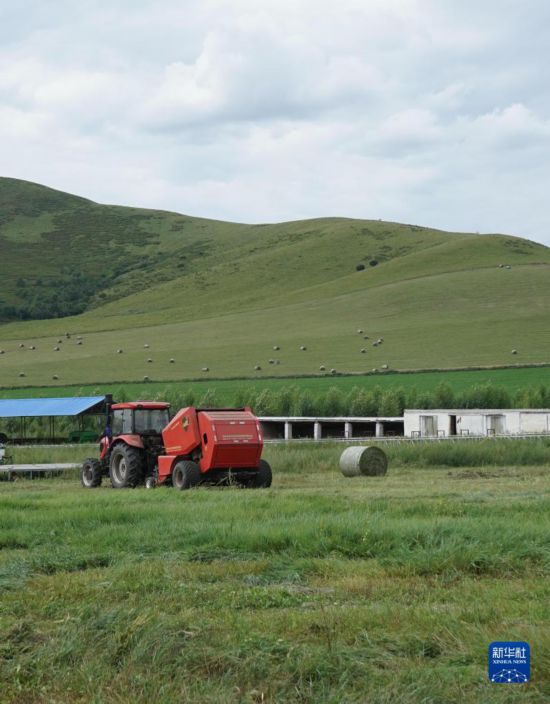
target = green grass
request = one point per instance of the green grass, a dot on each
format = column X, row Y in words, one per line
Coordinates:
column 227, row 390
column 221, row 295
column 318, row 590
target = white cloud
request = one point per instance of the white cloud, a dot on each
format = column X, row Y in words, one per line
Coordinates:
column 417, row 110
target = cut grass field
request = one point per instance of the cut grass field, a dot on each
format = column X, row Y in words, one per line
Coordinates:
column 222, row 295
column 227, row 391
column 318, row 590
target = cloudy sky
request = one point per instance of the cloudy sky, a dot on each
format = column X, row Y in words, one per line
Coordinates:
column 434, row 112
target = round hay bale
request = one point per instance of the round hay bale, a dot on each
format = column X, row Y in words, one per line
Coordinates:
column 276, row 347
column 303, row 348
column 205, row 369
column 359, row 332
column 384, row 366
column 277, row 361
column 508, row 266
column 322, row 368
column 60, row 342
column 79, row 342
column 55, row 377
column 375, row 343
column 2, row 352
column 146, row 346
column 360, row 267
column 366, row 337
column 333, row 371
column 56, row 349
column 271, row 361
column 68, row 335
column 514, row 351
column 32, row 347
column 119, row 351
column 21, row 345
column 363, row 461
column 363, row 350
column 149, row 361
column 79, row 337
column 172, row 360
column 21, row 373
column 145, row 378
column 257, row 368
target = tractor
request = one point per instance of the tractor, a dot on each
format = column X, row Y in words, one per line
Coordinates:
column 141, row 445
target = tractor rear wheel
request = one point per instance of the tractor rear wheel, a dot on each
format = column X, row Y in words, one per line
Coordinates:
column 91, row 473
column 185, row 475
column 263, row 479
column 126, row 466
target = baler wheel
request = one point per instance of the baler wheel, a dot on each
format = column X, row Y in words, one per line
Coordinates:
column 264, row 477
column 185, row 475
column 126, row 466
column 91, row 473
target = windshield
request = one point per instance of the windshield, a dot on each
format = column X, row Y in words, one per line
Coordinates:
column 150, row 419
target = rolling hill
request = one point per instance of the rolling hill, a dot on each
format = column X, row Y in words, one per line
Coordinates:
column 222, row 295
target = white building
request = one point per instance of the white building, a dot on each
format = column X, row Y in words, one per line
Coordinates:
column 476, row 422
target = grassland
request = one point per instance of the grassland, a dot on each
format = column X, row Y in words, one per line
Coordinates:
column 222, row 295
column 318, row 590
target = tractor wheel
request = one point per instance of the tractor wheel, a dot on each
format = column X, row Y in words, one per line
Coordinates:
column 91, row 473
column 126, row 466
column 262, row 480
column 185, row 475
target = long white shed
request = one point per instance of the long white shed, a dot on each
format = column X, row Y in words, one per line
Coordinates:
column 476, row 422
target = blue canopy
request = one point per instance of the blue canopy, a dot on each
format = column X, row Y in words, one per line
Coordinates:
column 31, row 407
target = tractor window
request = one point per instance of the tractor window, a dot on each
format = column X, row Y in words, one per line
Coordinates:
column 147, row 419
column 122, row 421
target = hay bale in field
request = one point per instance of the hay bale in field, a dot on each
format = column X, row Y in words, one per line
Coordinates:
column 55, row 377
column 333, row 371
column 56, row 349
column 149, row 361
column 363, row 461
column 375, row 343
column 68, row 335
column 363, row 350
column 21, row 345
column 514, row 351
column 79, row 342
column 146, row 346
column 205, row 369
column 146, row 378
column 32, row 347
column 303, row 348
column 359, row 332
column 384, row 366
column 2, row 352
column 119, row 351
column 21, row 373
column 172, row 360
column 271, row 361
column 79, row 337
column 276, row 347
column 322, row 368
column 257, row 368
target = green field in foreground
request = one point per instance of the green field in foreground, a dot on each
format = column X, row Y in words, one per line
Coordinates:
column 318, row 590
column 226, row 390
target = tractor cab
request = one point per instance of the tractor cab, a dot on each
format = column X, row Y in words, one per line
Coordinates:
column 139, row 418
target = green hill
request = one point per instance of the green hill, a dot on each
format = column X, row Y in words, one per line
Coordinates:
column 221, row 295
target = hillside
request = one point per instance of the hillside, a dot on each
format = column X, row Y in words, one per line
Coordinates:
column 221, row 295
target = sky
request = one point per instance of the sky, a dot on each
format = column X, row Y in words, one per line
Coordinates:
column 432, row 112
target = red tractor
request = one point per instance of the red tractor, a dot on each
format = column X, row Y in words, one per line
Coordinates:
column 199, row 445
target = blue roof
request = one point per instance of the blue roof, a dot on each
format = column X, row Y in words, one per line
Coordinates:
column 29, row 407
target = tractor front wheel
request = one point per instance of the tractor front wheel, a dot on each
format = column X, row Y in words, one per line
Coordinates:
column 186, row 474
column 91, row 473
column 126, row 466
column 263, row 479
